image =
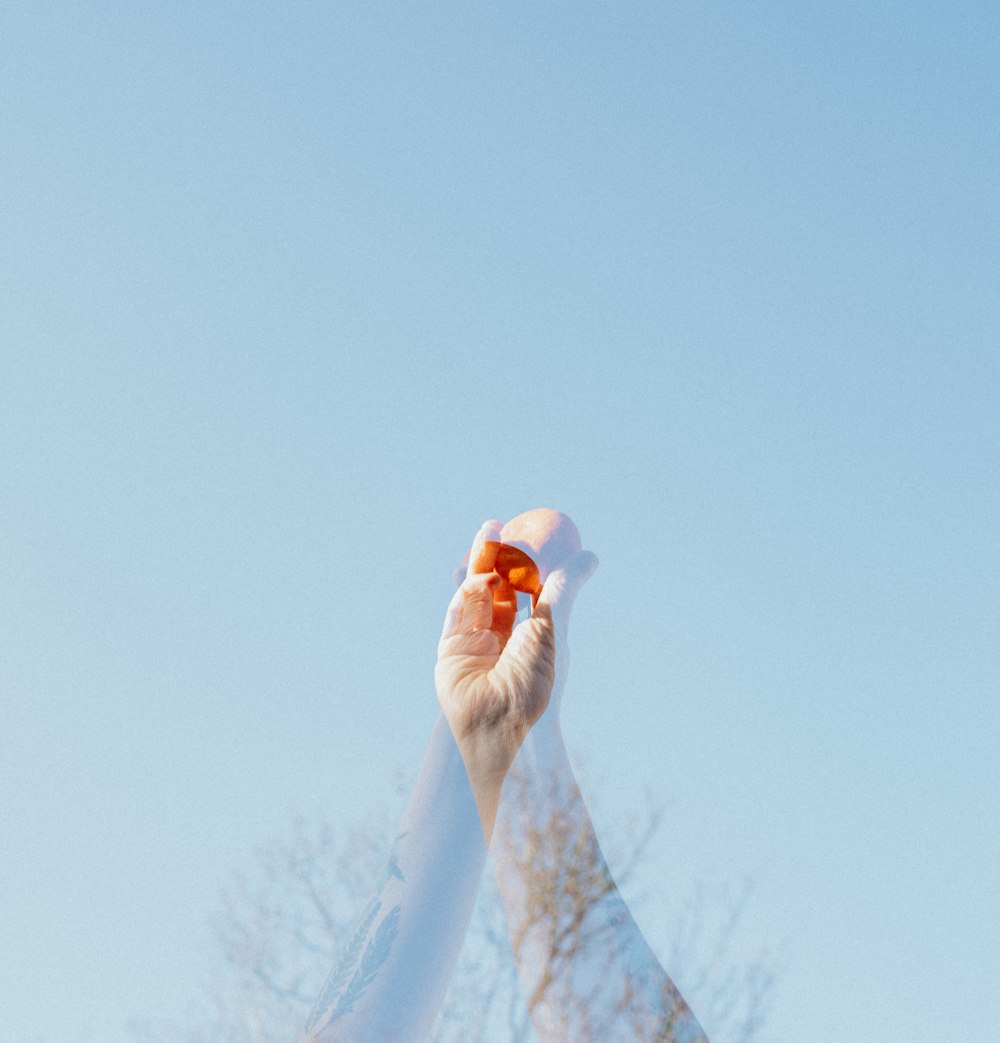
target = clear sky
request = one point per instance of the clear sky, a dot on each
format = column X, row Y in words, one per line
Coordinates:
column 293, row 296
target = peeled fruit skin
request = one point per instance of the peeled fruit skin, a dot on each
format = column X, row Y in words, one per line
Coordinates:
column 548, row 537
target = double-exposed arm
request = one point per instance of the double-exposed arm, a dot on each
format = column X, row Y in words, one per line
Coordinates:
column 497, row 768
column 586, row 971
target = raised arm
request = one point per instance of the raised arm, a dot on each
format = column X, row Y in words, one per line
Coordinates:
column 391, row 974
column 585, row 968
column 382, row 986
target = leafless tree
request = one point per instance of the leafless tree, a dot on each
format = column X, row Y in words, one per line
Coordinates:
column 279, row 927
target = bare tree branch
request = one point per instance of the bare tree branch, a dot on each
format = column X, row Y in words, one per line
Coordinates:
column 278, row 926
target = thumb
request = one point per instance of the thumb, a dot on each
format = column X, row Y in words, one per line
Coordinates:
column 479, row 558
column 563, row 584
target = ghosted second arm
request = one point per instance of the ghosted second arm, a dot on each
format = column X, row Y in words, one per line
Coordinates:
column 586, row 971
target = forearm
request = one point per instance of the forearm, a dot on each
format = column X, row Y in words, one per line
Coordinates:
column 392, row 972
column 585, row 968
column 487, row 762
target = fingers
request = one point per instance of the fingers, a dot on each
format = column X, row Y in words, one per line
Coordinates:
column 504, row 611
column 471, row 606
column 489, row 530
column 477, row 614
column 482, row 603
column 477, row 610
column 485, row 547
column 452, row 616
column 562, row 586
column 468, row 608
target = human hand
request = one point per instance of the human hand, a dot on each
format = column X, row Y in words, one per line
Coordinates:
column 553, row 543
column 493, row 682
column 561, row 586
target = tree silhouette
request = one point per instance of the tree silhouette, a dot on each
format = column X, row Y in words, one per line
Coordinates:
column 282, row 926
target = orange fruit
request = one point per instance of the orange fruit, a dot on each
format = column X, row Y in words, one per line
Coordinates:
column 517, row 569
column 546, row 537
column 530, row 547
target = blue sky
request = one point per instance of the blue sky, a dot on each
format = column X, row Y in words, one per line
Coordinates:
column 292, row 298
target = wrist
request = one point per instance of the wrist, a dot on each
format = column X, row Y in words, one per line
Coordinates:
column 487, row 758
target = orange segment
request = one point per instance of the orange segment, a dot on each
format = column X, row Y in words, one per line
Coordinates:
column 517, row 569
column 511, row 564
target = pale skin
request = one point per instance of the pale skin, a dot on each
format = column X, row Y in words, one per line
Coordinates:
column 492, row 686
column 510, row 708
column 599, row 980
column 495, row 681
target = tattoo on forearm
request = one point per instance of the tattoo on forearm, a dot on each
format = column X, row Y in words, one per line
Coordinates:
column 360, row 962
